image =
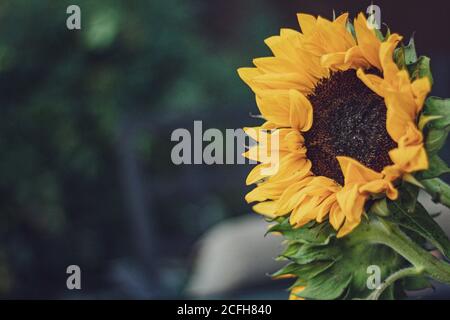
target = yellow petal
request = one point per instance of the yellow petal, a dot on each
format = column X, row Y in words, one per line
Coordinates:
column 248, row 74
column 401, row 110
column 325, row 207
column 392, row 172
column 267, row 208
column 276, row 186
column 307, row 23
column 291, row 165
column 367, row 41
column 351, row 202
column 335, row 61
column 256, row 174
column 292, row 196
column 305, row 212
column 295, row 291
column 301, row 111
column 420, row 88
column 372, row 81
column 356, row 172
column 380, row 186
column 411, row 158
column 285, row 81
column 413, row 136
column 355, row 57
column 341, row 20
column 347, row 227
column 386, row 53
column 273, row 64
column 295, row 142
column 274, row 108
column 336, row 216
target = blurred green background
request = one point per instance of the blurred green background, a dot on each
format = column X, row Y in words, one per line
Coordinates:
column 86, row 118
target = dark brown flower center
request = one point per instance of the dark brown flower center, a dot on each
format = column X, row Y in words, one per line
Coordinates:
column 349, row 120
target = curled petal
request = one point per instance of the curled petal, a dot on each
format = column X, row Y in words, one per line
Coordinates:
column 386, row 52
column 380, row 186
column 411, row 158
column 355, row 57
column 351, row 202
column 372, row 81
column 335, row 61
column 420, row 88
column 400, row 113
column 356, row 172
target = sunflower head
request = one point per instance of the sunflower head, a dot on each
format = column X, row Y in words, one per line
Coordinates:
column 346, row 115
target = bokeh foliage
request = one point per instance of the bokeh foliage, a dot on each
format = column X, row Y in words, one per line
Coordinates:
column 64, row 97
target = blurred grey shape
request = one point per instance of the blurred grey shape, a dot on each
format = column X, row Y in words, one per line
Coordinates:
column 232, row 255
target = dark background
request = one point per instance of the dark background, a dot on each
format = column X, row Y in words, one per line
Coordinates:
column 86, row 118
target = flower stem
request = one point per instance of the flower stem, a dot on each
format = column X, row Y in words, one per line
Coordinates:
column 380, row 231
column 391, row 279
column 389, row 234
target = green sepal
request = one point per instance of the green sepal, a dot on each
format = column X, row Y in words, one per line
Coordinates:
column 438, row 110
column 327, row 286
column 304, row 271
column 335, row 268
column 308, row 253
column 420, row 68
column 435, row 106
column 379, row 35
column 310, row 233
column 435, row 140
column 351, row 28
column 405, row 56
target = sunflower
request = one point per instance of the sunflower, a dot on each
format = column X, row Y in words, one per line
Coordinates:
column 345, row 115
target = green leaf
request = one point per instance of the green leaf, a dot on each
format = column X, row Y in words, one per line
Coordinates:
column 420, row 69
column 435, row 140
column 410, row 214
column 435, row 106
column 437, row 168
